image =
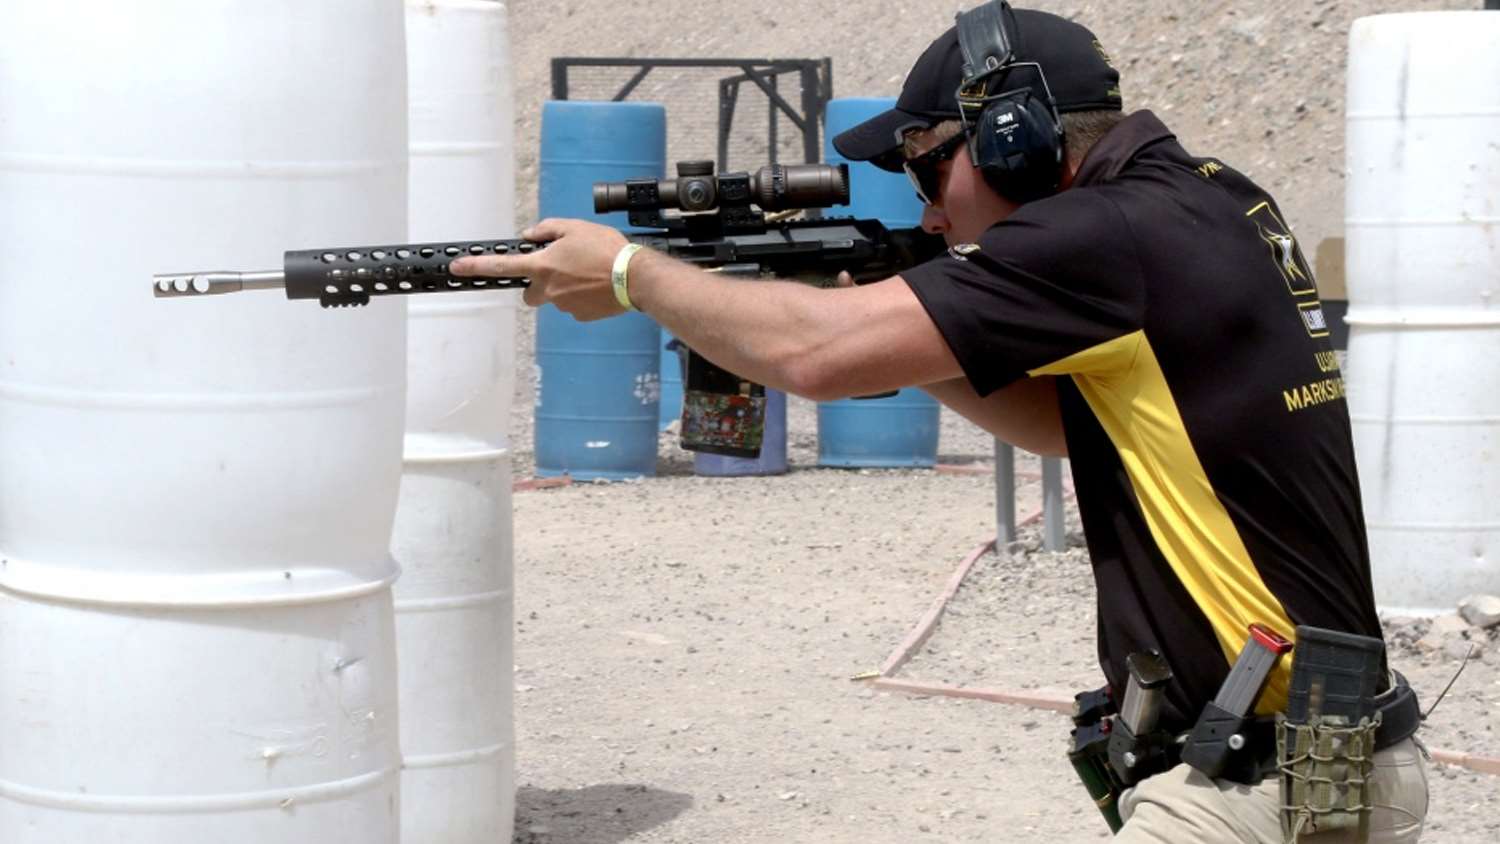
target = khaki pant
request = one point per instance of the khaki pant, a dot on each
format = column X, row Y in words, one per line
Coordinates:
column 1183, row 805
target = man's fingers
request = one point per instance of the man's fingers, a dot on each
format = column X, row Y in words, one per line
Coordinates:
column 495, row 266
column 533, row 296
column 844, row 279
column 512, row 266
column 549, row 229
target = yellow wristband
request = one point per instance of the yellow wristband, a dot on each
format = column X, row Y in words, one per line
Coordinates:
column 617, row 274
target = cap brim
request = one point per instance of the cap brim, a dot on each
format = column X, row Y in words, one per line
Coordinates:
column 878, row 140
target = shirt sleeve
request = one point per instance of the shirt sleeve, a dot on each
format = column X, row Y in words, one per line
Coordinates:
column 1058, row 277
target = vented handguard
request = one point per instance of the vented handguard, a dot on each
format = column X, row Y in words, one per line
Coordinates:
column 341, row 277
column 349, row 276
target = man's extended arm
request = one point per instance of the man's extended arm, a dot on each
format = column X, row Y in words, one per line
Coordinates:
column 822, row 344
column 828, row 344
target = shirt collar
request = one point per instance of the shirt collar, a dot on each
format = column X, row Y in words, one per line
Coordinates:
column 1119, row 145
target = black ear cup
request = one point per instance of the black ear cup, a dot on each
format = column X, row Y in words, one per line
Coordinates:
column 1017, row 146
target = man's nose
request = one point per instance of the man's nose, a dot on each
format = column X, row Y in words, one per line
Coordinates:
column 934, row 221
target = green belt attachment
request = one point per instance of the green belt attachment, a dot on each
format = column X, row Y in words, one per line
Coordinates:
column 1325, row 741
column 1325, row 770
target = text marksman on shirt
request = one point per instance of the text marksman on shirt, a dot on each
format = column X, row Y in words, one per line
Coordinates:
column 1316, row 393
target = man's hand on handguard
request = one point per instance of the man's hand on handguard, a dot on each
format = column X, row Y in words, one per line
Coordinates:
column 573, row 272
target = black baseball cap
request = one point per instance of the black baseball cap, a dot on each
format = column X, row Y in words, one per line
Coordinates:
column 1077, row 70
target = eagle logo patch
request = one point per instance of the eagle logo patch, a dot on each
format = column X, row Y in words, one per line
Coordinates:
column 1284, row 252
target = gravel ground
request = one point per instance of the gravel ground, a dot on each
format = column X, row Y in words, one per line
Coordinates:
column 684, row 648
column 684, row 644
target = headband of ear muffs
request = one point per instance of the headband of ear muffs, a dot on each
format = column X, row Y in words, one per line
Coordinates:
column 1015, row 137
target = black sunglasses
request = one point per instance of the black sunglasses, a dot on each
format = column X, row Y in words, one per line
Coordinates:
column 923, row 170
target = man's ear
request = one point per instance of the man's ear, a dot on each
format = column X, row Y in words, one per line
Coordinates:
column 1070, row 171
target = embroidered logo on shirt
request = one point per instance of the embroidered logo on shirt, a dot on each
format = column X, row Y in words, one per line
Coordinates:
column 962, row 251
column 1284, row 252
column 1313, row 318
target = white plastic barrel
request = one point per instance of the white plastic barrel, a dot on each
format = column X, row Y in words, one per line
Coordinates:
column 454, row 614
column 1423, row 241
column 196, row 495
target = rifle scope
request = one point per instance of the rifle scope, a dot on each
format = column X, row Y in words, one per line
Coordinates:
column 774, row 187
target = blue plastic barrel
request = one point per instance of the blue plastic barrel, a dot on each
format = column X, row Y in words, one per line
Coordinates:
column 671, row 382
column 873, row 192
column 772, row 459
column 599, row 384
column 901, row 430
column 893, row 432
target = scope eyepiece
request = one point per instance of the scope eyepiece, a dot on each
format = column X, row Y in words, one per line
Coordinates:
column 774, row 187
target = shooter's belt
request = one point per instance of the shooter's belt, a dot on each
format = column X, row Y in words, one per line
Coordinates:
column 1400, row 715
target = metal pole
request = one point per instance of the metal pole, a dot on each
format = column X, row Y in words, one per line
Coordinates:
column 1052, row 504
column 812, row 113
column 729, row 93
column 1005, row 493
column 771, row 119
column 631, row 84
column 763, row 79
column 559, row 79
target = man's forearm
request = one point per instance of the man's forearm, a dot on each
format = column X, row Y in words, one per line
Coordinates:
column 804, row 340
column 752, row 333
column 1024, row 414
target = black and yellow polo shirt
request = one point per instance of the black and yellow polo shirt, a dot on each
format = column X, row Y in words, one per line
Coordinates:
column 1202, row 403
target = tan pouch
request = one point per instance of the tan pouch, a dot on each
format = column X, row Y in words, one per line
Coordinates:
column 1325, row 768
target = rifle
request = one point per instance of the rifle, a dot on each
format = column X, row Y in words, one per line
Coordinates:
column 734, row 223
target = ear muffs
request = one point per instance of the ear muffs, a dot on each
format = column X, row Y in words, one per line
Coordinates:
column 1015, row 137
column 1017, row 145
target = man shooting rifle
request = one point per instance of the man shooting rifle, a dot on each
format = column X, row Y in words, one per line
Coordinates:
column 1146, row 312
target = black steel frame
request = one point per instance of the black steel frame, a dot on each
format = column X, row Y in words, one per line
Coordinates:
column 817, row 88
